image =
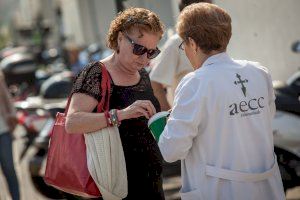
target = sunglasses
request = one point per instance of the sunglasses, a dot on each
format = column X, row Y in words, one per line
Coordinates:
column 141, row 50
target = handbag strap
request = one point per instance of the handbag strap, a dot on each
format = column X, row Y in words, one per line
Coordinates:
column 103, row 105
column 105, row 88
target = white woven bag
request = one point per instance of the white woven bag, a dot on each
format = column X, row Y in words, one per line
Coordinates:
column 106, row 162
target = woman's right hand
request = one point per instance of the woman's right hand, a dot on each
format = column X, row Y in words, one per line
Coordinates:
column 137, row 109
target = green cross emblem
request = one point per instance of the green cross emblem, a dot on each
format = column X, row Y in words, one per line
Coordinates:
column 240, row 81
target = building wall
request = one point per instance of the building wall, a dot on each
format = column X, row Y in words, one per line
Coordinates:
column 86, row 22
column 264, row 31
column 104, row 14
column 166, row 9
column 72, row 22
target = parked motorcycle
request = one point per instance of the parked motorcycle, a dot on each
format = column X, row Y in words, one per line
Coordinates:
column 21, row 69
column 286, row 127
column 32, row 120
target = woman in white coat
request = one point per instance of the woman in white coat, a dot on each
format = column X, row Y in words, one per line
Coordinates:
column 220, row 124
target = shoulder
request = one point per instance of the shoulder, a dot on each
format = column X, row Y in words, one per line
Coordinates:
column 90, row 71
column 256, row 69
column 91, row 68
column 173, row 41
column 260, row 69
column 190, row 80
column 253, row 64
column 88, row 81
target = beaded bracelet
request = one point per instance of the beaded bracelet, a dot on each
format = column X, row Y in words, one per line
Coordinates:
column 114, row 117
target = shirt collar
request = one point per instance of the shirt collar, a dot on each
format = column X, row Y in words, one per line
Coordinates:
column 220, row 57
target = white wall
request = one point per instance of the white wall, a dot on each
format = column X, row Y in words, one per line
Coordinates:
column 72, row 22
column 104, row 13
column 87, row 21
column 264, row 30
column 164, row 8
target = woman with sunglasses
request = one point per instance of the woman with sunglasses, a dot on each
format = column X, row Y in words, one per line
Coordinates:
column 220, row 124
column 133, row 36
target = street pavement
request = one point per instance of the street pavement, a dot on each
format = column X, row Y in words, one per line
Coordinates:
column 28, row 192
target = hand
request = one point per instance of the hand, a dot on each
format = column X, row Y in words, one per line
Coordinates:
column 137, row 109
column 11, row 122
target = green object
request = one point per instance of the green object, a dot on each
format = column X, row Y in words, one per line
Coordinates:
column 157, row 123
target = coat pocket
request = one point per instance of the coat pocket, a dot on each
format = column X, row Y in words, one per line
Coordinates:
column 195, row 194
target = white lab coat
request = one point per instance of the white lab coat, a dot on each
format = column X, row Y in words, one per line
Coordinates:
column 221, row 131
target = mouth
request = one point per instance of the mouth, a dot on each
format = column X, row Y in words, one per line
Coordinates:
column 140, row 64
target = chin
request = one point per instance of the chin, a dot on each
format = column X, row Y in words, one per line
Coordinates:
column 139, row 66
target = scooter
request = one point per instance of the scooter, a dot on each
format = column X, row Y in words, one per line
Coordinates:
column 30, row 112
column 286, row 127
column 32, row 120
column 21, row 69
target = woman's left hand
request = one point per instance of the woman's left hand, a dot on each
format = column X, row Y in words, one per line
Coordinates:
column 137, row 109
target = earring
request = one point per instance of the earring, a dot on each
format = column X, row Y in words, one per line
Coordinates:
column 118, row 50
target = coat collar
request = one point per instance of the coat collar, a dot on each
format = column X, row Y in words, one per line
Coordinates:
column 217, row 58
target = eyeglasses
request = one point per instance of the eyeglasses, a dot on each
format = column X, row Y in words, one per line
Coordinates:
column 141, row 50
column 181, row 46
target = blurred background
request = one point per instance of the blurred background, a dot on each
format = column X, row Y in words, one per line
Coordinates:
column 262, row 30
column 45, row 43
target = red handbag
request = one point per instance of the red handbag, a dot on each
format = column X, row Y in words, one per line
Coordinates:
column 66, row 167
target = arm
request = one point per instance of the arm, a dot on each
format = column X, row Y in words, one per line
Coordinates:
column 7, row 98
column 84, row 100
column 10, row 109
column 80, row 118
column 160, row 94
column 182, row 126
column 164, row 71
column 271, row 96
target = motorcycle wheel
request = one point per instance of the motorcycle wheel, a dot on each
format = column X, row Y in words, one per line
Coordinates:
column 286, row 166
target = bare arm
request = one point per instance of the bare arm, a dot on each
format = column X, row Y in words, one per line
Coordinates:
column 80, row 118
column 7, row 98
column 160, row 94
column 10, row 115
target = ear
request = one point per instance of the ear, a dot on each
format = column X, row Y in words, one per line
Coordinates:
column 193, row 44
column 120, row 35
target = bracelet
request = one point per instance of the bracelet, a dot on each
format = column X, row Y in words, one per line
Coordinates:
column 114, row 117
column 108, row 118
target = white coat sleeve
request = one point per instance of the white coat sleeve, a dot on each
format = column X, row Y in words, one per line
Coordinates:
column 271, row 96
column 182, row 126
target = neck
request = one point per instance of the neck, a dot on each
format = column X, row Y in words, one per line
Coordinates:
column 119, row 67
column 202, row 57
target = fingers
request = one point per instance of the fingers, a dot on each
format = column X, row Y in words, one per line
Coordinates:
column 148, row 106
column 143, row 112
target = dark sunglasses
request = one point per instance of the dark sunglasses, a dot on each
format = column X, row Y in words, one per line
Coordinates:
column 141, row 50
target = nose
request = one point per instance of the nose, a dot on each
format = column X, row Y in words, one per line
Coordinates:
column 144, row 58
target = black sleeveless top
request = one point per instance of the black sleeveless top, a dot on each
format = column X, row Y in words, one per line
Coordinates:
column 142, row 155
